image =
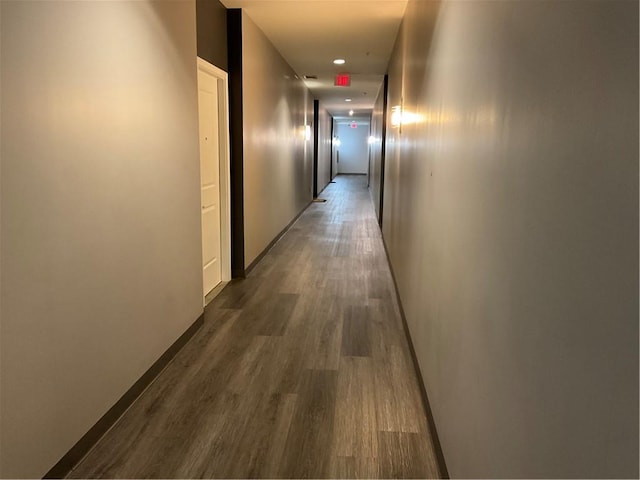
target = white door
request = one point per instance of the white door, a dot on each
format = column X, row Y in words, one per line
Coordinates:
column 209, row 179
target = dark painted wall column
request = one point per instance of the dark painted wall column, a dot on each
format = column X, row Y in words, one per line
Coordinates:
column 234, row 36
column 211, row 27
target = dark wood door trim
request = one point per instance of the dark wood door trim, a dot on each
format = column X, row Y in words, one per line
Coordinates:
column 316, row 118
column 385, row 93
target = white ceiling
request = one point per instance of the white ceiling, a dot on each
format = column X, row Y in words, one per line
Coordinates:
column 309, row 34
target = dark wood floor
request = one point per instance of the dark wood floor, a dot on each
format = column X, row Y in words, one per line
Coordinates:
column 302, row 370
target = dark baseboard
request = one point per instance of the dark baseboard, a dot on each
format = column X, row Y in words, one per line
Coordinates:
column 89, row 439
column 442, row 465
column 274, row 241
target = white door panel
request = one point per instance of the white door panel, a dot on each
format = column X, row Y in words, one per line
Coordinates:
column 210, row 179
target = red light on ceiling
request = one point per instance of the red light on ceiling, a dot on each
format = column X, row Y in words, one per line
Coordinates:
column 343, row 80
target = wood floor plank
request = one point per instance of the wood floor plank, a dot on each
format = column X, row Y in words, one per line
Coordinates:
column 272, row 467
column 306, row 452
column 238, row 455
column 355, row 332
column 355, row 423
column 301, row 370
column 325, row 344
column 237, row 293
column 405, row 455
column 277, row 312
column 399, row 407
column 252, row 371
column 354, row 467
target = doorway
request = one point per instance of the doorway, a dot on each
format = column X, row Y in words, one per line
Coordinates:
column 213, row 127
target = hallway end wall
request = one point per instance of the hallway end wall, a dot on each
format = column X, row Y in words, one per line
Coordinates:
column 354, row 147
column 511, row 221
column 101, row 238
column 277, row 148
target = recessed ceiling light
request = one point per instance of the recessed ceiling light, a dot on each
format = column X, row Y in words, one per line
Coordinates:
column 339, row 61
column 347, row 99
column 351, row 112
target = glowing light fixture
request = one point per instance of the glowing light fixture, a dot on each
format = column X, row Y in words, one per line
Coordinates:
column 400, row 117
column 347, row 99
column 351, row 113
column 396, row 115
column 339, row 61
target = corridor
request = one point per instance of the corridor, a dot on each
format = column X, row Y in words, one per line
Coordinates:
column 301, row 370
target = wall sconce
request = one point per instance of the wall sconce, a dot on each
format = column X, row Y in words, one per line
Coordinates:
column 396, row 116
column 399, row 117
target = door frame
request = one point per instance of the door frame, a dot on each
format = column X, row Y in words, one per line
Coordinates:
column 225, row 171
column 316, row 144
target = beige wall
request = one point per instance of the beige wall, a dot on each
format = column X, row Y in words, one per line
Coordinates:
column 324, row 148
column 278, row 161
column 101, row 258
column 511, row 217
